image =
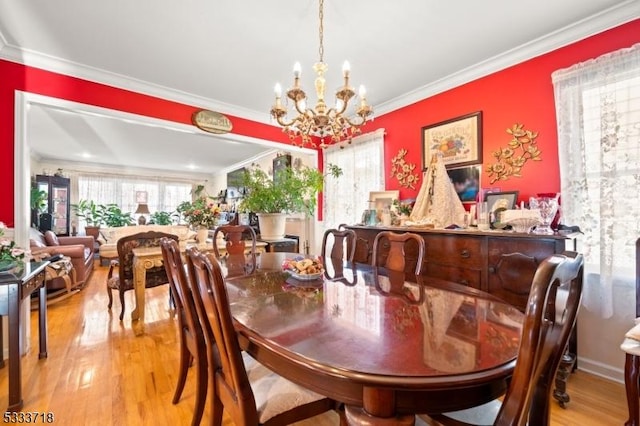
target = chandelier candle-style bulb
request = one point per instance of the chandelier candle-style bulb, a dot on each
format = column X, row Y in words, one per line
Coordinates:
column 321, row 121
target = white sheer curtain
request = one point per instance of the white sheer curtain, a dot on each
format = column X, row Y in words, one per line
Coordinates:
column 598, row 113
column 121, row 190
column 362, row 164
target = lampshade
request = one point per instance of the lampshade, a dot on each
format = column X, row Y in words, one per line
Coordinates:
column 142, row 209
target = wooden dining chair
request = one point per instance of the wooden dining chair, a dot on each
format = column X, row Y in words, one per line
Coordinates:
column 235, row 237
column 237, row 260
column 341, row 242
column 120, row 275
column 249, row 392
column 551, row 312
column 390, row 250
column 192, row 344
column 631, row 347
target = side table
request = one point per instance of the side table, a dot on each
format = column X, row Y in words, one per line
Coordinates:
column 15, row 286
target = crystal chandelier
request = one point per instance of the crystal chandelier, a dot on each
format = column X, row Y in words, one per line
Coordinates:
column 321, row 121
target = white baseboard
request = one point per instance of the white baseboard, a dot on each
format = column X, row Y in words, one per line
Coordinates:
column 599, row 369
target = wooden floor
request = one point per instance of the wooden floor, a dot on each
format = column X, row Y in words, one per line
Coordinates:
column 99, row 373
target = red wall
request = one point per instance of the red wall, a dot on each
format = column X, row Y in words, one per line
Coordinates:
column 520, row 94
column 18, row 77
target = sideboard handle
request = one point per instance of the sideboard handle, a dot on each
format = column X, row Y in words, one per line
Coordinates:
column 492, row 269
column 465, row 254
column 464, row 282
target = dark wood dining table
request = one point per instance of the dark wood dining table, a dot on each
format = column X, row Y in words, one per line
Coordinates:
column 386, row 347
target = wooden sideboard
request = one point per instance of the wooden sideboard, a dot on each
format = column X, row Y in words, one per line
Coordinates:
column 500, row 263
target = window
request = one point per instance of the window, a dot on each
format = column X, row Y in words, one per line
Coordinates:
column 362, row 165
column 598, row 113
column 121, row 190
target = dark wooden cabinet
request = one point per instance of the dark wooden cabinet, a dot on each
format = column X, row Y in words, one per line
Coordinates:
column 502, row 264
column 57, row 215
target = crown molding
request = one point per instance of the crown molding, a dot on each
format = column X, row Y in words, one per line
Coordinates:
column 612, row 17
column 96, row 75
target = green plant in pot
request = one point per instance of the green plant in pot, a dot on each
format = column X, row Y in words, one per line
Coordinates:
column 294, row 190
column 88, row 211
column 39, row 199
column 162, row 218
column 113, row 216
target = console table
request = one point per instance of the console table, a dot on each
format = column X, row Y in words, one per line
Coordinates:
column 15, row 286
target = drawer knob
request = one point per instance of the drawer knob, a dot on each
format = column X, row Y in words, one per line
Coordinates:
column 465, row 254
column 464, row 282
column 492, row 269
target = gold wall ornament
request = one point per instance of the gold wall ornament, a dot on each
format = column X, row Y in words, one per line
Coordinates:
column 512, row 159
column 403, row 171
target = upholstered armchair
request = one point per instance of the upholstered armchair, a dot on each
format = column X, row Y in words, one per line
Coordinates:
column 80, row 249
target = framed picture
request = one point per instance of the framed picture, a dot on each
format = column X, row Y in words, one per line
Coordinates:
column 485, row 191
column 459, row 140
column 508, row 199
column 466, row 181
column 382, row 199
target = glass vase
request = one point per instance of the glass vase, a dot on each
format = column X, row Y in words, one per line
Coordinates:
column 548, row 207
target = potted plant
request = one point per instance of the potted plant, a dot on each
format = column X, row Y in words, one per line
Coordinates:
column 161, row 218
column 39, row 199
column 202, row 214
column 90, row 212
column 295, row 191
column 113, row 216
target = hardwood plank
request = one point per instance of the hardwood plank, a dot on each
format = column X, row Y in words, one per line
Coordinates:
column 99, row 373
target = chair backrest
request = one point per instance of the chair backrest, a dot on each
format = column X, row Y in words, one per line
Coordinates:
column 235, row 237
column 183, row 297
column 551, row 312
column 212, row 304
column 396, row 256
column 341, row 241
column 156, row 275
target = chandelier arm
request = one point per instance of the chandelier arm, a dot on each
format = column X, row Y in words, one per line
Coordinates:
column 284, row 123
column 360, row 122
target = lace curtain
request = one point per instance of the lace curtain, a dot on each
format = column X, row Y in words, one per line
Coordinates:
column 121, row 190
column 362, row 165
column 598, row 115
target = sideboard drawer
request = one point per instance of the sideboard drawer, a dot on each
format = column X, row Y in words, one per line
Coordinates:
column 464, row 276
column 460, row 251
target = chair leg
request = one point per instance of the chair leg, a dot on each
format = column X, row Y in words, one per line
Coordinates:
column 632, row 387
column 109, row 291
column 121, row 304
column 185, row 359
column 201, row 392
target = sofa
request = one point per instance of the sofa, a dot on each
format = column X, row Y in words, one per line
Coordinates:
column 80, row 249
column 109, row 236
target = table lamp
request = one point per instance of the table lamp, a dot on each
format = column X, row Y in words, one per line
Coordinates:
column 143, row 207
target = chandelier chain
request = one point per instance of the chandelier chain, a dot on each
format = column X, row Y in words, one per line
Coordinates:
column 321, row 31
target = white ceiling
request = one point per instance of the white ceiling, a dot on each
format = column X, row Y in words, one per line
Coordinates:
column 226, row 56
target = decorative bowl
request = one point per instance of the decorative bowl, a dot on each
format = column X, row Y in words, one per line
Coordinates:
column 306, row 277
column 523, row 224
